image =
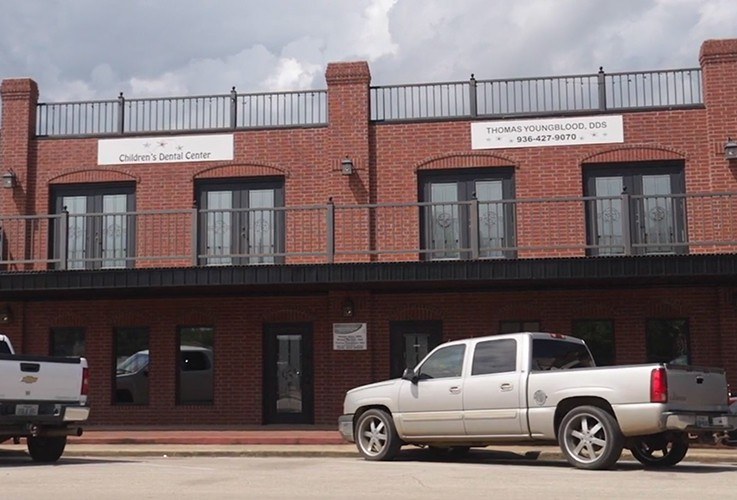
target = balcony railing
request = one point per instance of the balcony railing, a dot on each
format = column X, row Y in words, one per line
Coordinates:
column 496, row 229
column 538, row 96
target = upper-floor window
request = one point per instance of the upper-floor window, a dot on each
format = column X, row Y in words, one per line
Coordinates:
column 448, row 222
column 654, row 220
column 241, row 221
column 100, row 226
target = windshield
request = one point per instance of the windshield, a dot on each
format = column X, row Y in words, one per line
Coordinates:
column 133, row 364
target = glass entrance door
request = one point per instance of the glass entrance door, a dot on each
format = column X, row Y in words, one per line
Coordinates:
column 411, row 341
column 288, row 391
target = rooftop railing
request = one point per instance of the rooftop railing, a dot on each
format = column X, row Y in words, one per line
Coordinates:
column 384, row 232
column 539, row 96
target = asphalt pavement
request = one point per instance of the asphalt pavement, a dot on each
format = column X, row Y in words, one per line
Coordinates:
column 268, row 441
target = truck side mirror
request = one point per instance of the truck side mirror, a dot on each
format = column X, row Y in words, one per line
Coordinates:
column 409, row 374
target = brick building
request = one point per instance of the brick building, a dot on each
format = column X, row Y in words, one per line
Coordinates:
column 246, row 258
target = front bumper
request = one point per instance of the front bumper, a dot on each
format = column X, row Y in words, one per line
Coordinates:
column 345, row 427
column 697, row 423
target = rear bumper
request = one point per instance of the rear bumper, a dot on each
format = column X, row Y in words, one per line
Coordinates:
column 345, row 427
column 697, row 423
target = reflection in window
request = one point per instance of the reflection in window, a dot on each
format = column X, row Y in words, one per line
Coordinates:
column 599, row 337
column 445, row 362
column 195, row 384
column 131, row 365
column 667, row 341
column 549, row 354
column 495, row 356
column 67, row 341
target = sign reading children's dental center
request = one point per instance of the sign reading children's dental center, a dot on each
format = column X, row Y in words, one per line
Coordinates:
column 547, row 132
column 174, row 149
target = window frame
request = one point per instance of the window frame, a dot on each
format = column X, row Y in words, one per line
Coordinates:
column 580, row 321
column 179, row 369
column 79, row 330
column 631, row 174
column 240, row 189
column 94, row 193
column 465, row 180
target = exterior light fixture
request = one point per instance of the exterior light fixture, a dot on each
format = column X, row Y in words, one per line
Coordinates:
column 346, row 166
column 9, row 180
column 6, row 315
column 347, row 308
column 730, row 149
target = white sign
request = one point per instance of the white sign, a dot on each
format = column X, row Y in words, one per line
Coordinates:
column 349, row 336
column 547, row 132
column 172, row 149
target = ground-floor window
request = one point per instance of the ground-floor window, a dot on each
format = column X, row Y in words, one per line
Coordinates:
column 667, row 341
column 67, row 341
column 599, row 337
column 518, row 326
column 410, row 342
column 195, row 374
column 132, row 365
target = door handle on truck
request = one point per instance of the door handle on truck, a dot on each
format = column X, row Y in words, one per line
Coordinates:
column 506, row 387
column 30, row 367
column 455, row 390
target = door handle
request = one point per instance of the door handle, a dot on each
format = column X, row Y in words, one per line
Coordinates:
column 506, row 387
column 455, row 390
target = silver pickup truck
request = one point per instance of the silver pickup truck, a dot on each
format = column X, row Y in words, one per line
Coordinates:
column 538, row 387
column 43, row 399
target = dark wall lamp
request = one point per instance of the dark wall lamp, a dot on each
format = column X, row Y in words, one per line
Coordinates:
column 346, row 166
column 9, row 180
column 6, row 315
column 730, row 149
column 347, row 308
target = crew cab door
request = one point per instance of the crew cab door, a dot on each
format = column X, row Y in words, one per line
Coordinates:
column 432, row 404
column 492, row 401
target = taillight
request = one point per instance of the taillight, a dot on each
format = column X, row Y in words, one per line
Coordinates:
column 85, row 381
column 658, row 386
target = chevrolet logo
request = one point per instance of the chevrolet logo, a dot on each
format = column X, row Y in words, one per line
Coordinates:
column 29, row 379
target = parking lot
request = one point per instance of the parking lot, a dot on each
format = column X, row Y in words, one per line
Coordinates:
column 414, row 475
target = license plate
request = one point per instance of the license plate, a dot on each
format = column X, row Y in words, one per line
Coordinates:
column 26, row 410
column 720, row 421
column 702, row 421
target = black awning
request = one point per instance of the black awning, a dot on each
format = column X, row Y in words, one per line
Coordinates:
column 579, row 272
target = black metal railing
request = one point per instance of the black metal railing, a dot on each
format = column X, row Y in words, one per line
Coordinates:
column 175, row 114
column 540, row 96
column 473, row 229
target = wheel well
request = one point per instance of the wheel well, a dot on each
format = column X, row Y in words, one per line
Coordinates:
column 364, row 409
column 567, row 405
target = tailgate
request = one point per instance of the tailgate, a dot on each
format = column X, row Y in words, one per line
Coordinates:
column 694, row 388
column 41, row 379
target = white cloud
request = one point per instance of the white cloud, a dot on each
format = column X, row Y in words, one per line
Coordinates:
column 96, row 48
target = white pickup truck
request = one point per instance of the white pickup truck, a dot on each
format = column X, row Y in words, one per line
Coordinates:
column 538, row 387
column 43, row 399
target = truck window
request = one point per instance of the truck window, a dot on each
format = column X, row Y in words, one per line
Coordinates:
column 495, row 356
column 445, row 362
column 4, row 348
column 549, row 354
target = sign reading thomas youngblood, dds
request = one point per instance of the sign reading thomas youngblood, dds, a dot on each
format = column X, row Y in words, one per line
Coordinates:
column 547, row 132
column 174, row 149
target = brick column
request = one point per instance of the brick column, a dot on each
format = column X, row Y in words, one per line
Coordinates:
column 718, row 60
column 19, row 97
column 348, row 116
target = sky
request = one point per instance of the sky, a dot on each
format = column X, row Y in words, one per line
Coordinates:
column 95, row 49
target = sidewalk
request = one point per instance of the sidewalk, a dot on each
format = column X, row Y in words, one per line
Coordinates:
column 288, row 442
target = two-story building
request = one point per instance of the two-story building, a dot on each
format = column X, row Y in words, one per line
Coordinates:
column 244, row 259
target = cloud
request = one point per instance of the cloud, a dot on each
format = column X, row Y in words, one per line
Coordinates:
column 93, row 49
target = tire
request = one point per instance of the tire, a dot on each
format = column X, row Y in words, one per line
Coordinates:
column 376, row 436
column 659, row 450
column 46, row 449
column 590, row 438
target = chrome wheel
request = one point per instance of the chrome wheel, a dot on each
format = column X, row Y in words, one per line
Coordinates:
column 590, row 438
column 376, row 437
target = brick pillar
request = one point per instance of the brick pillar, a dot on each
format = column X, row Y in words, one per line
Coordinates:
column 718, row 60
column 19, row 97
column 348, row 115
